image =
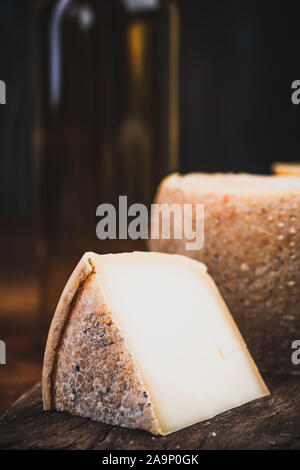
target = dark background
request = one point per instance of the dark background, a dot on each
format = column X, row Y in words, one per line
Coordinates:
column 237, row 62
column 240, row 58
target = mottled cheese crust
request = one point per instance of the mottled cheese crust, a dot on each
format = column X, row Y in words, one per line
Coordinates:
column 252, row 250
column 92, row 343
column 88, row 369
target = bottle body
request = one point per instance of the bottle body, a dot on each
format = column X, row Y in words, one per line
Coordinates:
column 106, row 122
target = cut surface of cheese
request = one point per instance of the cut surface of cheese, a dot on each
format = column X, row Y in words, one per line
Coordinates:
column 148, row 343
column 251, row 249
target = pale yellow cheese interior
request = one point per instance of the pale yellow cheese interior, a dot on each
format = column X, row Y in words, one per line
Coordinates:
column 188, row 351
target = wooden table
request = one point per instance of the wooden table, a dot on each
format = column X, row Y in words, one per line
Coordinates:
column 270, row 423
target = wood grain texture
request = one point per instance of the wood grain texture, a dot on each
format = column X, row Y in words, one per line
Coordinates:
column 270, row 423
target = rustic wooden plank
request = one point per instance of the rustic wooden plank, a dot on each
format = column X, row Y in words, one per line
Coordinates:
column 269, row 423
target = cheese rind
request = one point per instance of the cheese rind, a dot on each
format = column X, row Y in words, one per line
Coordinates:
column 286, row 169
column 149, row 344
column 252, row 250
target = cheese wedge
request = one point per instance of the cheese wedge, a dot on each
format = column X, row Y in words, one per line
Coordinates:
column 252, row 250
column 144, row 340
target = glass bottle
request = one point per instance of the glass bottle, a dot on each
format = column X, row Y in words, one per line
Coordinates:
column 106, row 121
